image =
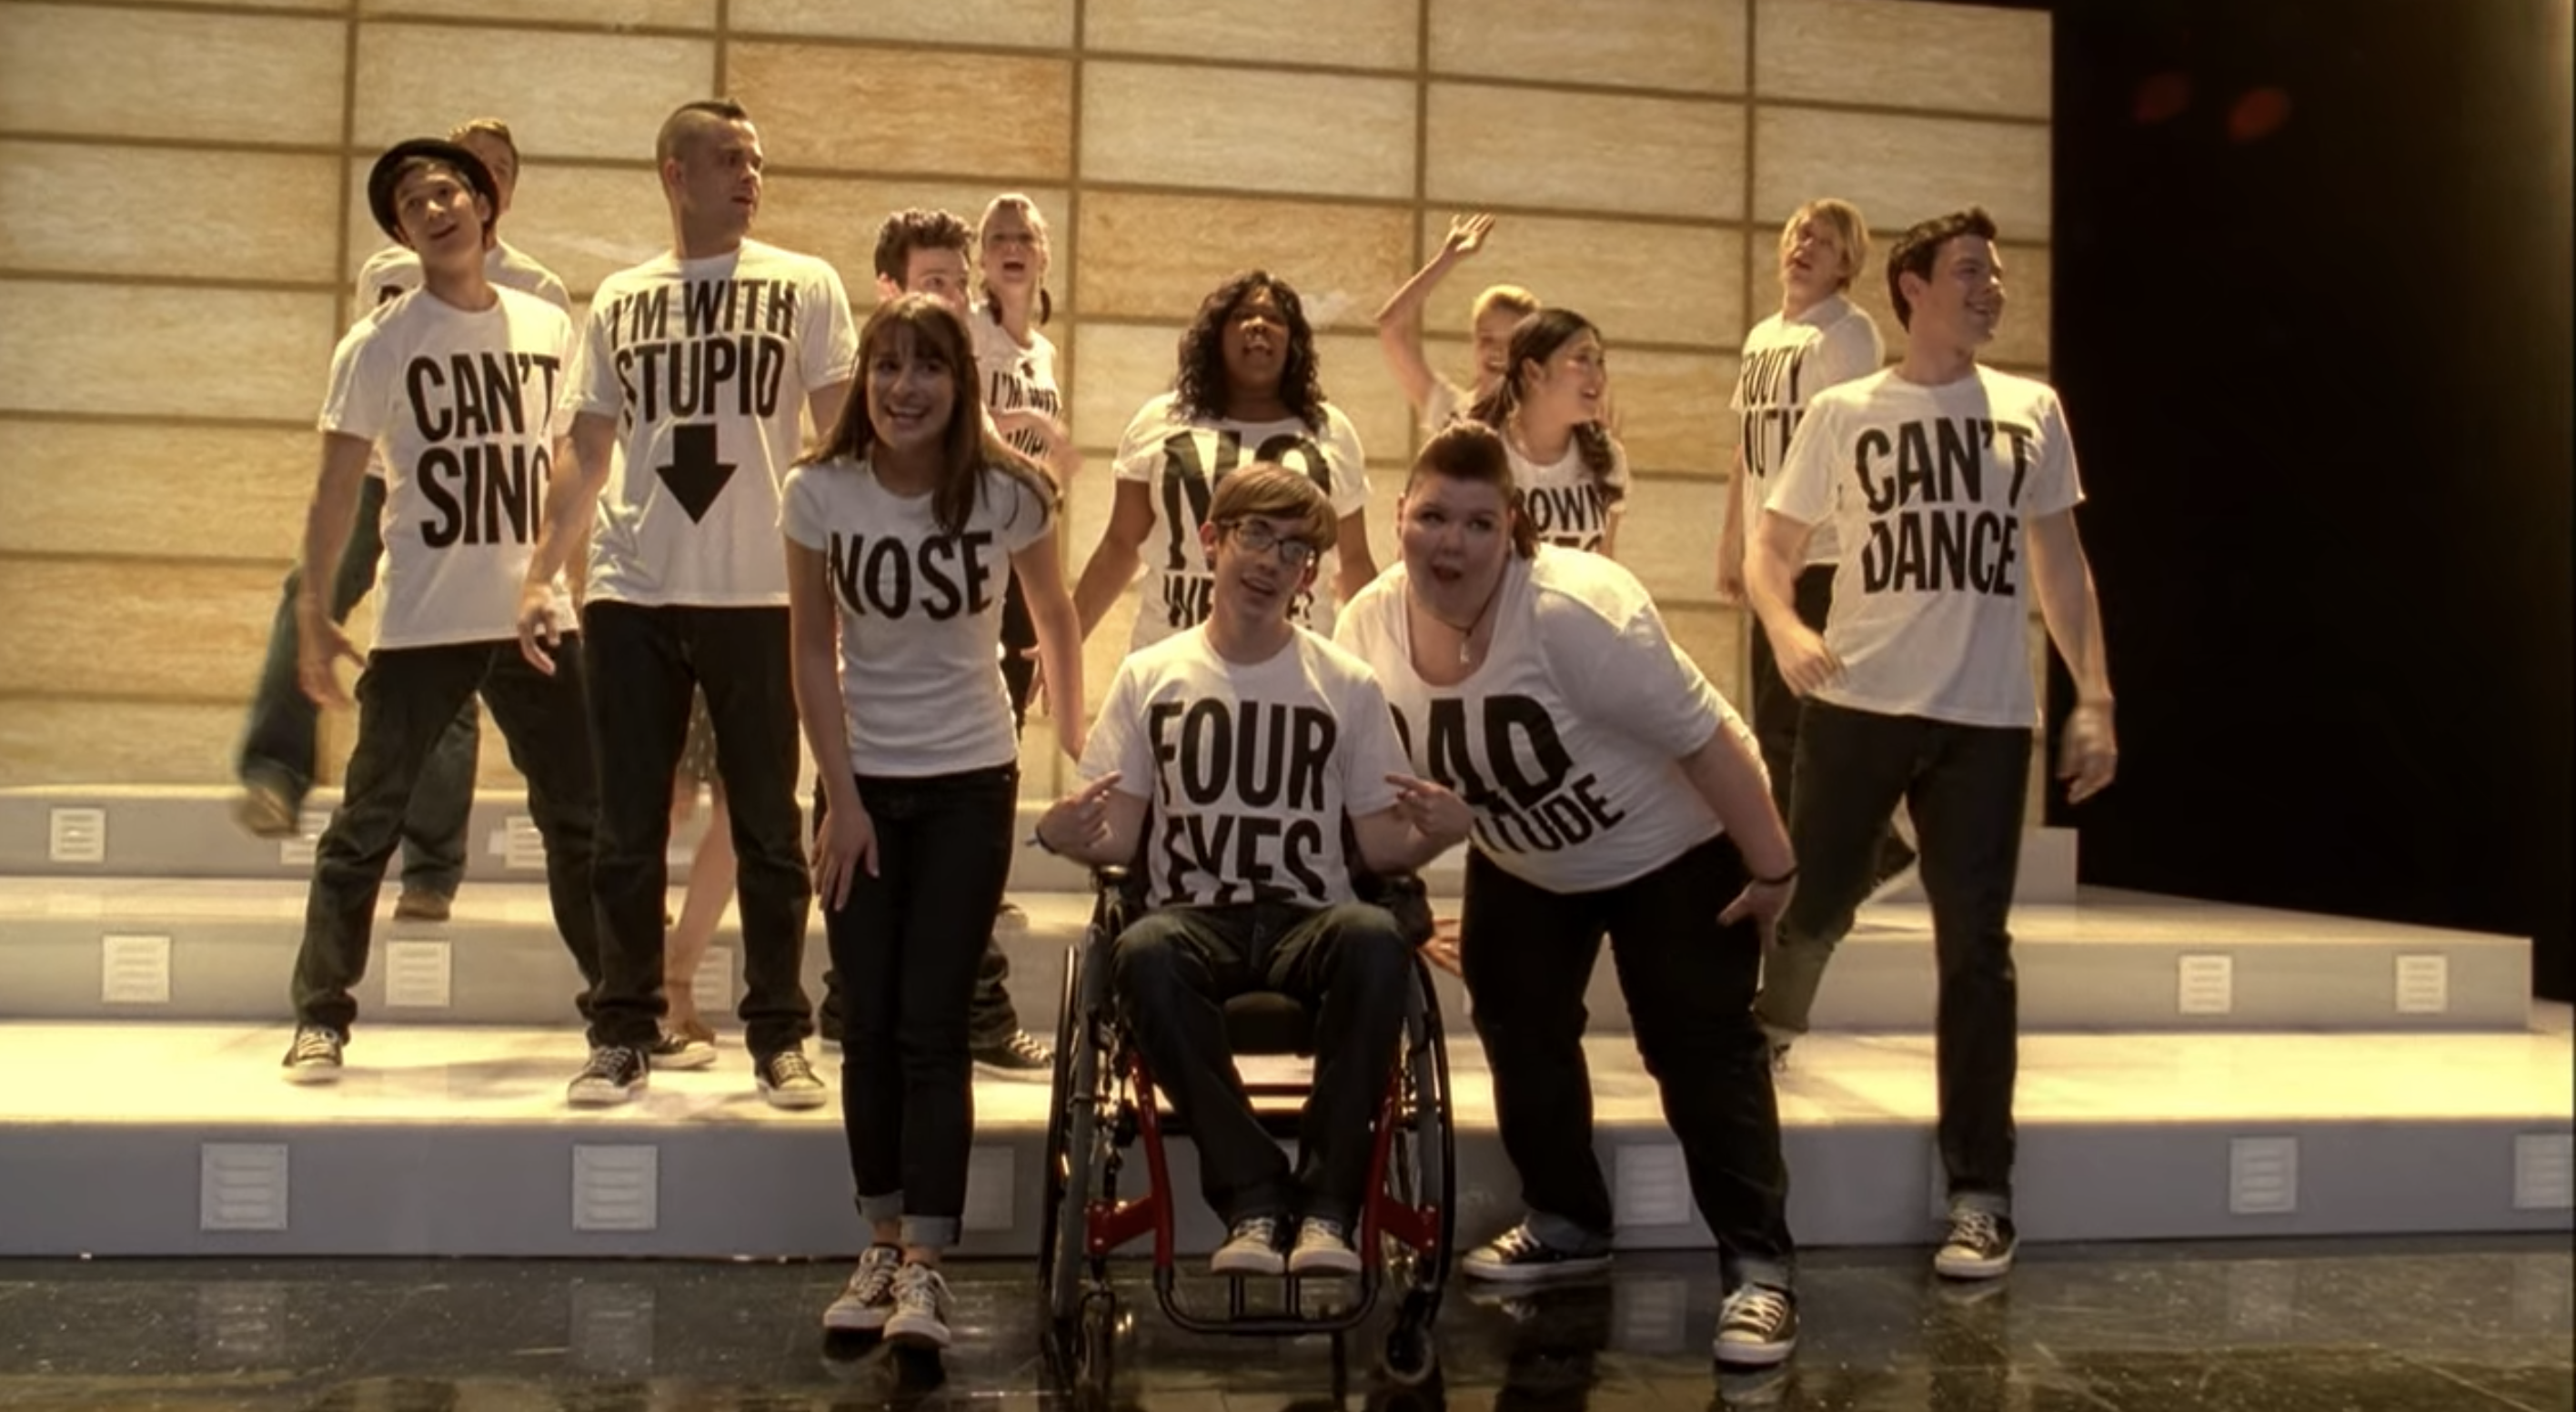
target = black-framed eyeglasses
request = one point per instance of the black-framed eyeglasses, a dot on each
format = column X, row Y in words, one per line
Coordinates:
column 1258, row 536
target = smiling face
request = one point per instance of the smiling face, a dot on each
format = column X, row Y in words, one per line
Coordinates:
column 1962, row 303
column 713, row 178
column 442, row 218
column 938, row 272
column 1493, row 331
column 1568, row 387
column 912, row 393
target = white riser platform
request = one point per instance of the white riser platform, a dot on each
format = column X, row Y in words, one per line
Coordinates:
column 453, row 1141
column 2113, row 961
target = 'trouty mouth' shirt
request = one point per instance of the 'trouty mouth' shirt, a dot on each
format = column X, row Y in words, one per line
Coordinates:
column 920, row 614
column 1566, row 740
column 706, row 365
column 1933, row 490
column 458, row 404
column 1016, row 377
column 1248, row 770
column 1785, row 363
column 1180, row 459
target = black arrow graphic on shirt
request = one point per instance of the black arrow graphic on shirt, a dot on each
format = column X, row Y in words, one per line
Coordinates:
column 695, row 475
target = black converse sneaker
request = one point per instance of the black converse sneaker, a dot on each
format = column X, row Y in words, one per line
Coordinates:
column 1518, row 1256
column 615, row 1074
column 1757, row 1326
column 867, row 1301
column 1980, row 1246
column 1022, row 1056
column 788, row 1081
column 313, row 1057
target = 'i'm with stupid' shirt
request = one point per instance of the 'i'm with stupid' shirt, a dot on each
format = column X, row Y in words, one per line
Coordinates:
column 1786, row 362
column 706, row 365
column 1565, row 740
column 1180, row 459
column 1566, row 503
column 1017, row 377
column 1248, row 770
column 459, row 406
column 920, row 612
column 1933, row 490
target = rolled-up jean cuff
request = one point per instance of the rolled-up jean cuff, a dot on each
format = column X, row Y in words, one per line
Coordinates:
column 1558, row 1233
column 929, row 1232
column 1993, row 1203
column 1770, row 1274
column 885, row 1207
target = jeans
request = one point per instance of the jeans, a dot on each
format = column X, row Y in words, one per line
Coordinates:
column 646, row 660
column 1964, row 786
column 1777, row 711
column 1689, row 983
column 279, row 740
column 906, row 944
column 1174, row 969
column 406, row 699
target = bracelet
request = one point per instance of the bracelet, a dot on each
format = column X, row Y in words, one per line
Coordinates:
column 1037, row 840
column 1781, row 881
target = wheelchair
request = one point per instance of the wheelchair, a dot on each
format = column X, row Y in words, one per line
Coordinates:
column 1104, row 1110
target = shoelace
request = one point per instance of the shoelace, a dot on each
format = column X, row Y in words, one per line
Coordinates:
column 1259, row 1229
column 1026, row 1046
column 874, row 1279
column 1330, row 1232
column 787, row 1066
column 1755, row 1306
column 918, row 1288
column 1977, row 1229
column 612, row 1061
column 314, row 1044
column 1519, row 1241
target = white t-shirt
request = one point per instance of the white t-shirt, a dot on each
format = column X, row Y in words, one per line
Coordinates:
column 1786, row 363
column 1932, row 488
column 1016, row 378
column 706, row 364
column 1249, row 770
column 920, row 614
column 1180, row 459
column 1564, row 500
column 394, row 271
column 457, row 404
column 1443, row 404
column 1566, row 740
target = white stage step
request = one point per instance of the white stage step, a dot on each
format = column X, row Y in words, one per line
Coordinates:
column 171, row 1139
column 221, row 949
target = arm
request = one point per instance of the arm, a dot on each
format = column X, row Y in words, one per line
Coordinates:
column 572, row 491
column 1425, row 821
column 1771, row 580
column 1399, row 324
column 1041, row 574
column 2089, row 754
column 319, row 642
column 1359, row 562
column 823, row 404
column 848, row 840
column 1730, row 537
column 1113, row 562
column 1098, row 825
column 1726, row 774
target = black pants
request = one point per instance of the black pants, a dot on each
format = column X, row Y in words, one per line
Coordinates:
column 1776, row 713
column 407, row 698
column 279, row 742
column 1689, row 983
column 1964, row 785
column 905, row 945
column 645, row 661
column 1173, row 972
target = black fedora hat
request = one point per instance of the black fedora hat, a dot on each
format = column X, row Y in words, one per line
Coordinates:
column 388, row 173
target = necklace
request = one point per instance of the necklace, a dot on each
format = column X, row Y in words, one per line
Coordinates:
column 1467, row 634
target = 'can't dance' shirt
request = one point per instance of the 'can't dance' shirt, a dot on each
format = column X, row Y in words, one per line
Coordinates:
column 1785, row 363
column 1933, row 490
column 706, row 365
column 1248, row 769
column 1180, row 459
column 459, row 406
column 920, row 614
column 1566, row 740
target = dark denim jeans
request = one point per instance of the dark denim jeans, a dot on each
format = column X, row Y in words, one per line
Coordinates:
column 1689, row 982
column 279, row 742
column 1964, row 785
column 406, row 699
column 1777, row 711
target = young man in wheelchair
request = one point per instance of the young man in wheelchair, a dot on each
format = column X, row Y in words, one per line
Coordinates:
column 1249, row 742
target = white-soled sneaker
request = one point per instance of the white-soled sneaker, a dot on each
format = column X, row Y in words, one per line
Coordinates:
column 1022, row 1056
column 1322, row 1248
column 1518, row 1256
column 1980, row 1246
column 313, row 1056
column 691, row 1046
column 867, row 1301
column 614, row 1075
column 1757, row 1326
column 787, row 1080
column 1251, row 1248
column 920, row 1316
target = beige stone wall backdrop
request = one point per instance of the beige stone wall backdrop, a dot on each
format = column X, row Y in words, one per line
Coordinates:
column 180, row 214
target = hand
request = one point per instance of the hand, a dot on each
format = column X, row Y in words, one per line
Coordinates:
column 1434, row 810
column 1442, row 949
column 1036, row 658
column 539, row 633
column 1730, row 568
column 1763, row 902
column 846, row 843
column 1079, row 823
column 319, row 647
column 2088, row 752
column 1466, row 235
column 1805, row 662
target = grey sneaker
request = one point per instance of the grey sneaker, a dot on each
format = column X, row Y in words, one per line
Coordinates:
column 1323, row 1248
column 614, row 1075
column 1251, row 1248
column 1757, row 1326
column 920, row 1314
column 867, row 1301
column 788, row 1081
column 313, row 1057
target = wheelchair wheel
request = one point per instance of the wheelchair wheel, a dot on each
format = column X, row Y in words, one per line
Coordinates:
column 1410, row 1358
column 1072, row 1162
column 1422, row 1161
